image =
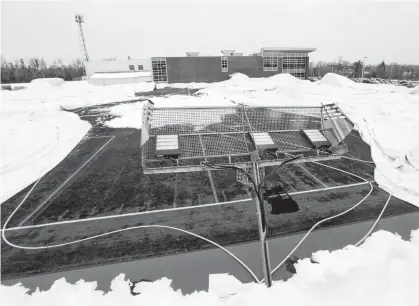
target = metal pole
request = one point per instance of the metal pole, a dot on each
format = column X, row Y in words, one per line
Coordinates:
column 363, row 66
column 84, row 43
column 263, row 230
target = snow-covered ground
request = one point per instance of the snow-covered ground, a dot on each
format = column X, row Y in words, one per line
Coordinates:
column 383, row 271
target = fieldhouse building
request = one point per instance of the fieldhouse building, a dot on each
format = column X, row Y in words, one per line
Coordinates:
column 195, row 68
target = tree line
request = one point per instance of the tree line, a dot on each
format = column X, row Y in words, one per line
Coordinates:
column 381, row 70
column 20, row 71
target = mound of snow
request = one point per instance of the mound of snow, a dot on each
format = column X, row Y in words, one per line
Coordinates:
column 336, row 80
column 46, row 82
column 415, row 91
column 383, row 271
column 239, row 77
column 284, row 79
column 129, row 116
column 34, row 143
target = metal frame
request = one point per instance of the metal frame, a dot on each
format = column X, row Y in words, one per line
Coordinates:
column 158, row 75
column 267, row 163
column 292, row 59
column 270, row 58
column 202, row 131
column 263, row 228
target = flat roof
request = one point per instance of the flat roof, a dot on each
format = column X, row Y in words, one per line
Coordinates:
column 120, row 75
column 294, row 49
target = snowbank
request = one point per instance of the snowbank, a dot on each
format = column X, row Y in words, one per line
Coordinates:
column 33, row 143
column 336, row 80
column 383, row 271
column 415, row 91
column 45, row 83
column 238, row 78
column 36, row 135
column 129, row 116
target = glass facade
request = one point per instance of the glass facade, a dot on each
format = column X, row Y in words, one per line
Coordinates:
column 292, row 63
column 270, row 61
column 159, row 69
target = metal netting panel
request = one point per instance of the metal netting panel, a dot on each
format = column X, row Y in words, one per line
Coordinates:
column 276, row 119
column 230, row 144
column 190, row 146
column 233, row 119
column 223, row 135
column 227, row 144
column 290, row 141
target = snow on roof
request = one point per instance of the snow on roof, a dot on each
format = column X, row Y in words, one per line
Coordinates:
column 121, row 75
column 293, row 49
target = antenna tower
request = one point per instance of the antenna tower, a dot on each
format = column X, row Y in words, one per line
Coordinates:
column 79, row 20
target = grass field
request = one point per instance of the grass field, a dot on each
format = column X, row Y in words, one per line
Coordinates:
column 102, row 178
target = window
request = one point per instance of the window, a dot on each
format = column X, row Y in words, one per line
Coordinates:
column 224, row 64
column 159, row 70
column 300, row 75
column 140, row 67
column 295, row 64
column 270, row 61
column 131, row 67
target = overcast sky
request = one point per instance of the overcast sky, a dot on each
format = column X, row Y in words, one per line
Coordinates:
column 380, row 30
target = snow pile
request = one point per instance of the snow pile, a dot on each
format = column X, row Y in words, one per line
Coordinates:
column 36, row 134
column 388, row 123
column 336, row 80
column 47, row 82
column 383, row 271
column 238, row 78
column 129, row 116
column 285, row 79
column 415, row 91
column 32, row 143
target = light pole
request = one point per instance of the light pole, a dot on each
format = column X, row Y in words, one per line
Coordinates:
column 339, row 65
column 391, row 70
column 363, row 66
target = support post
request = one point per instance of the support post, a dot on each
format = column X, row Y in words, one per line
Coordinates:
column 263, row 229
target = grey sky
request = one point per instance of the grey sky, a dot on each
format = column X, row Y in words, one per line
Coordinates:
column 380, row 30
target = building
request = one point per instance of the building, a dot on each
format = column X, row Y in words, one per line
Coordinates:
column 112, row 78
column 128, row 65
column 196, row 68
column 110, row 72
